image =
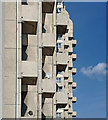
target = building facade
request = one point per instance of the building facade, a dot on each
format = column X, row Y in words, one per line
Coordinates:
column 38, row 60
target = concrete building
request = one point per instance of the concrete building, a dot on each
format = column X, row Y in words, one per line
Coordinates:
column 38, row 60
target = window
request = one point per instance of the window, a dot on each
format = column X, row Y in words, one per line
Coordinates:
column 24, row 2
column 58, row 10
column 58, row 45
column 59, row 72
column 59, row 3
column 59, row 37
column 58, row 80
column 43, row 29
column 69, row 106
column 58, row 115
column 59, row 89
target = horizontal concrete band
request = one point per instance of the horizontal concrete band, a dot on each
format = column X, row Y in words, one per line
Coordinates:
column 56, row 0
column 55, row 118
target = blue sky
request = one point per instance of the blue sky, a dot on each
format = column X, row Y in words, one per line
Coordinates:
column 89, row 20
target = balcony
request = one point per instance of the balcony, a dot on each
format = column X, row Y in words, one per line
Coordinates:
column 70, row 50
column 28, row 39
column 70, row 80
column 62, row 58
column 74, row 57
column 74, row 99
column 48, row 6
column 74, row 85
column 66, row 74
column 70, row 34
column 62, row 18
column 48, row 40
column 29, row 69
column 62, row 98
column 74, row 114
column 70, row 111
column 74, row 71
column 70, row 95
column 66, row 108
column 48, row 86
column 27, row 12
column 60, row 75
column 74, row 42
column 25, row 39
column 70, row 64
column 66, row 43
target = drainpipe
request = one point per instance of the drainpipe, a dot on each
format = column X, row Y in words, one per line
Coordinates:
column 16, row 61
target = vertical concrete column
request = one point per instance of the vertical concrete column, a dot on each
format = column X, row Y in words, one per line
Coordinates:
column 54, row 59
column 1, row 56
column 19, row 58
column 39, row 85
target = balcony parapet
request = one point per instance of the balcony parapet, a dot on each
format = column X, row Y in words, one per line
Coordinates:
column 62, row 58
column 29, row 69
column 62, row 18
column 74, row 57
column 74, row 70
column 48, row 40
column 27, row 12
column 74, row 114
column 62, row 98
column 48, row 86
column 74, row 99
column 74, row 42
column 74, row 85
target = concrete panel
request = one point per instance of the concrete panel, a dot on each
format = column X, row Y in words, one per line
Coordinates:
column 47, row 20
column 10, row 10
column 10, row 34
column 62, row 18
column 32, row 40
column 27, row 12
column 62, row 58
column 47, row 59
column 48, row 40
column 48, row 101
column 31, row 53
column 47, row 110
column 29, row 69
column 48, row 69
column 48, row 86
column 9, row 89
column 10, row 61
column 62, row 98
column 9, row 111
column 31, row 103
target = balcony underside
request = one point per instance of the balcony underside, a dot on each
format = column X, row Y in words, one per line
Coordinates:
column 48, row 6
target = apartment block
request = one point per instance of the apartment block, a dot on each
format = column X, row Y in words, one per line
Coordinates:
column 38, row 60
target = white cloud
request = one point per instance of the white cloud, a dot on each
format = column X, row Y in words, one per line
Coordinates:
column 99, row 69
